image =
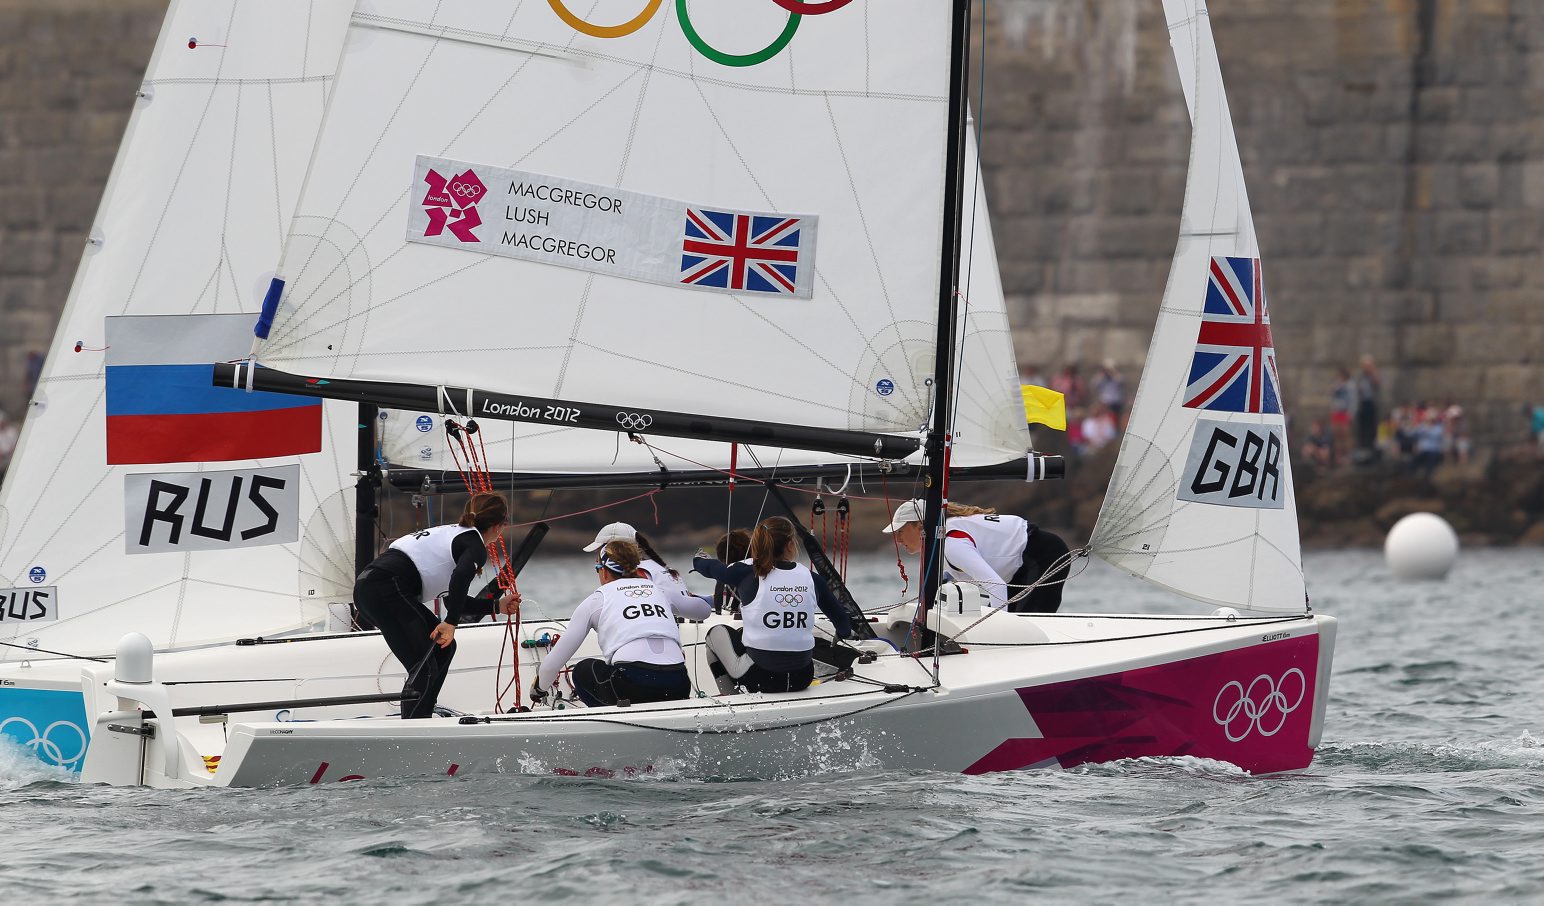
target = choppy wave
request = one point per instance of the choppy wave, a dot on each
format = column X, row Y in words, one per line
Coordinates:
column 1428, row 785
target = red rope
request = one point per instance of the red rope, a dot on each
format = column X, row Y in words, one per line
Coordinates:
column 478, row 480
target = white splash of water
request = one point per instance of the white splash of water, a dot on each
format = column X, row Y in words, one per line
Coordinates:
column 19, row 766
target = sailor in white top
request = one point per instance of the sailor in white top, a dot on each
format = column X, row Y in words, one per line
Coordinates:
column 1002, row 553
column 665, row 579
column 636, row 627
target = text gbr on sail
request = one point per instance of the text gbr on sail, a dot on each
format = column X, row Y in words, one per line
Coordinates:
column 1235, row 464
column 200, row 511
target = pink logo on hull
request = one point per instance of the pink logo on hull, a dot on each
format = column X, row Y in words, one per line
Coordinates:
column 452, row 204
column 1251, row 707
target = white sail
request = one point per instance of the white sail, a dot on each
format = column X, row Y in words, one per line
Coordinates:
column 989, row 416
column 193, row 215
column 839, row 129
column 1201, row 501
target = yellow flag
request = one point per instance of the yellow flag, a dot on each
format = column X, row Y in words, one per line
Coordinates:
column 1044, row 406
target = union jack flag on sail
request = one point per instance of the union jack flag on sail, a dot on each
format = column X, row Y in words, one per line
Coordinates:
column 1234, row 368
column 745, row 252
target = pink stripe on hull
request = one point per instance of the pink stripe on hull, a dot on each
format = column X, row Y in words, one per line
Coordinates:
column 1250, row 706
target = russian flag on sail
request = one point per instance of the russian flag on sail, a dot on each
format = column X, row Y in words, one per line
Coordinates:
column 1234, row 368
column 161, row 406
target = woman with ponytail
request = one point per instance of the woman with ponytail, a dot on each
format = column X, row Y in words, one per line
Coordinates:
column 1003, row 554
column 635, row 625
column 774, row 651
column 397, row 589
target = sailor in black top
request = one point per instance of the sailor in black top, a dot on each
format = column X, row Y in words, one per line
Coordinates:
column 393, row 590
column 774, row 650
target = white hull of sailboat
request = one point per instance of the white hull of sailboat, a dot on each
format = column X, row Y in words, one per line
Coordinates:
column 1035, row 691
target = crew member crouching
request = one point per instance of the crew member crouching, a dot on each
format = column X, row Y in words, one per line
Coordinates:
column 636, row 627
column 774, row 650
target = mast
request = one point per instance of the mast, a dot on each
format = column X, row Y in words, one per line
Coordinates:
column 369, row 479
column 937, row 444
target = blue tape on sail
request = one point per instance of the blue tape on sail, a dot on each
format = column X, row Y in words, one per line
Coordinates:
column 270, row 308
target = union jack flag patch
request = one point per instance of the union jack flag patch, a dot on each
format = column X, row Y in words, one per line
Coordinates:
column 756, row 253
column 1234, row 368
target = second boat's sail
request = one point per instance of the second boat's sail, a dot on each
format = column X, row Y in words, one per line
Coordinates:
column 104, row 527
column 1201, row 500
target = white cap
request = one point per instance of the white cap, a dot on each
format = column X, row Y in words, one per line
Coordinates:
column 910, row 511
column 616, row 531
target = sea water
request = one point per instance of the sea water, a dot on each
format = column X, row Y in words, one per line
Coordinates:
column 1428, row 785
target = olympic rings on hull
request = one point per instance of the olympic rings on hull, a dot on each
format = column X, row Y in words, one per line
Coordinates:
column 49, row 749
column 1256, row 710
column 796, row 9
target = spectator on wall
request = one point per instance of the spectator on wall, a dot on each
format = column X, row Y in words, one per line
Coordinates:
column 1427, row 442
column 1342, row 405
column 1110, row 391
column 1319, row 446
column 1098, row 428
column 1069, row 385
column 1367, row 411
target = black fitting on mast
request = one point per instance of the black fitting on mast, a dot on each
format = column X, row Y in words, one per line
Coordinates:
column 948, row 278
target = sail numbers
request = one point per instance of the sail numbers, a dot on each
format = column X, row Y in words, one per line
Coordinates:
column 1235, row 465
column 201, row 511
column 29, row 605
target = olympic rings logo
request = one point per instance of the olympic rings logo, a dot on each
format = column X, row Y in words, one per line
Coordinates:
column 634, row 421
column 47, row 748
column 466, row 190
column 789, row 599
column 796, row 9
column 1248, row 712
column 640, row 592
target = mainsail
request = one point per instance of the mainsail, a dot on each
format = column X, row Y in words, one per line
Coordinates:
column 1201, row 500
column 193, row 216
column 666, row 214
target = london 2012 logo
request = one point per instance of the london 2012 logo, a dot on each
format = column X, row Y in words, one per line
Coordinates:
column 452, row 204
column 1260, row 707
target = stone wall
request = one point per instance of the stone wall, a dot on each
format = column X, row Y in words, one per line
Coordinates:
column 1394, row 151
column 68, row 72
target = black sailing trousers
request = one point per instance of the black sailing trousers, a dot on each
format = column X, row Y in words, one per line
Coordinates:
column 405, row 624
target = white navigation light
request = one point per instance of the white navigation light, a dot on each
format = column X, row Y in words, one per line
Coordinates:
column 135, row 654
column 1421, row 546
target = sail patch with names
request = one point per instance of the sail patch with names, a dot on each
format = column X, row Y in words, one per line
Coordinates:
column 605, row 230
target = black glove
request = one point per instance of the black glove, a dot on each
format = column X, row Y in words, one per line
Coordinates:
column 538, row 694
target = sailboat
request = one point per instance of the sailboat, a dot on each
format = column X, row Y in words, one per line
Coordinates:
column 581, row 233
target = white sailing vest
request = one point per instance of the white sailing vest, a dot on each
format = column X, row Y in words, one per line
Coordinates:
column 633, row 609
column 430, row 552
column 1000, row 539
column 782, row 618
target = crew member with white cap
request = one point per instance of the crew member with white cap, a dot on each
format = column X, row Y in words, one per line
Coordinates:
column 666, row 580
column 984, row 546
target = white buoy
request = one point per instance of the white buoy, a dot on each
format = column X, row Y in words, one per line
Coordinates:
column 1421, row 546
